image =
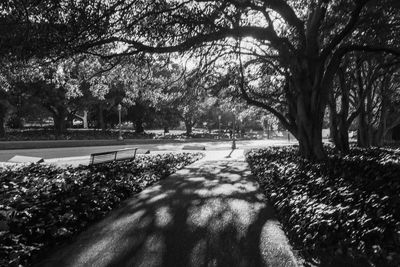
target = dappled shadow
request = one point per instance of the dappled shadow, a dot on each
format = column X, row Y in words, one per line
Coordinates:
column 212, row 215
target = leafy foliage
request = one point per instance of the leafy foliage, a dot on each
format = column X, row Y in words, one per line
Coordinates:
column 43, row 205
column 92, row 134
column 340, row 211
column 297, row 45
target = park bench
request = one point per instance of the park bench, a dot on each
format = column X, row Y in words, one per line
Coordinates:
column 109, row 156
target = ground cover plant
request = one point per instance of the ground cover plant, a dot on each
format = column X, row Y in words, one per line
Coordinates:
column 41, row 206
column 71, row 134
column 343, row 211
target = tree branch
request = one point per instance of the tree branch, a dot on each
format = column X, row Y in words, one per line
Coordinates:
column 244, row 31
column 287, row 13
column 370, row 48
column 260, row 104
column 313, row 24
column 354, row 16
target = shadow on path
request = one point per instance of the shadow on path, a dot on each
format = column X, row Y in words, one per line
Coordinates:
column 208, row 214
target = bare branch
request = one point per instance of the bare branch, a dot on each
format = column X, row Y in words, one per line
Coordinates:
column 260, row 104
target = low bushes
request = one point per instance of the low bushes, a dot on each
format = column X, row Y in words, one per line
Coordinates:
column 43, row 205
column 81, row 134
column 344, row 211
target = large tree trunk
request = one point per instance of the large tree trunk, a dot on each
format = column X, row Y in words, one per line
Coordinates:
column 306, row 91
column 379, row 134
column 339, row 121
column 344, row 145
column 139, row 126
column 84, row 118
column 309, row 136
column 334, row 122
column 339, row 133
column 60, row 123
column 365, row 137
column 2, row 128
column 362, row 133
column 189, row 127
column 100, row 118
column 166, row 129
column 309, row 121
column 334, row 131
column 4, row 107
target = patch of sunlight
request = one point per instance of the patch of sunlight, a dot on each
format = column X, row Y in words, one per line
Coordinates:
column 157, row 198
column 229, row 189
column 185, row 171
column 196, row 202
column 233, row 177
column 200, row 216
column 163, row 216
column 101, row 247
column 275, row 247
column 260, row 197
column 122, row 222
column 146, row 193
column 196, row 179
column 155, row 248
column 203, row 192
column 246, row 187
column 214, row 170
column 246, row 212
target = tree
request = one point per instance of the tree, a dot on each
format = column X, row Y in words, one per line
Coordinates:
column 4, row 103
column 4, row 107
column 38, row 29
column 377, row 87
column 188, row 95
column 366, row 89
column 344, row 104
column 50, row 85
column 304, row 41
column 81, row 105
column 141, row 112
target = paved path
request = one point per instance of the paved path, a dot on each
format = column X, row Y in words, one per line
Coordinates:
column 210, row 213
column 166, row 145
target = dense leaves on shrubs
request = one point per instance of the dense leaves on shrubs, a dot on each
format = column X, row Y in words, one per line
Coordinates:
column 343, row 211
column 83, row 134
column 43, row 205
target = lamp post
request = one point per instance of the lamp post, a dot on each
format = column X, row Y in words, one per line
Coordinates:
column 120, row 138
column 233, row 132
column 219, row 126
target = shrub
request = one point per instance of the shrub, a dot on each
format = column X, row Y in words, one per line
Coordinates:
column 343, row 211
column 43, row 205
column 79, row 134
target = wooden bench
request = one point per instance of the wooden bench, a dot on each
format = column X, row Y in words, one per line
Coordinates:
column 109, row 156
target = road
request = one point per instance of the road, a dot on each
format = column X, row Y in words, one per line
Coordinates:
column 51, row 153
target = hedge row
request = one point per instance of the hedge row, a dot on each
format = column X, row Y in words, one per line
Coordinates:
column 41, row 205
column 343, row 211
column 90, row 134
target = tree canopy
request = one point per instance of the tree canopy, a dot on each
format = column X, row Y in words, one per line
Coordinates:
column 299, row 43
